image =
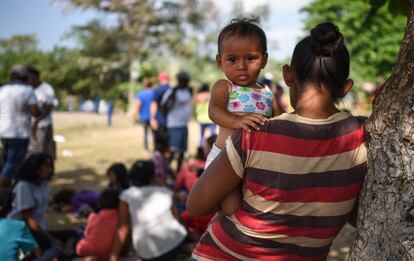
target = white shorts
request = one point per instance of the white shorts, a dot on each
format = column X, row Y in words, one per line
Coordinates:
column 214, row 152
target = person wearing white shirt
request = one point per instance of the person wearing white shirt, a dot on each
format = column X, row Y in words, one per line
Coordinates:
column 178, row 100
column 41, row 141
column 149, row 212
column 17, row 104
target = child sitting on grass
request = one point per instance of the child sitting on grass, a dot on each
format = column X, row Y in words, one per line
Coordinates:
column 101, row 227
column 15, row 236
column 81, row 203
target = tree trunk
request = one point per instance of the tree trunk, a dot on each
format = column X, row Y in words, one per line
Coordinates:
column 386, row 212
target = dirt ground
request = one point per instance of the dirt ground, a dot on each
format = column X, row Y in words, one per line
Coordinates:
column 89, row 147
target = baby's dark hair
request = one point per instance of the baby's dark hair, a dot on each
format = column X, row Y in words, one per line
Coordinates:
column 322, row 58
column 121, row 174
column 29, row 169
column 244, row 27
column 141, row 173
column 6, row 199
column 64, row 196
column 109, row 199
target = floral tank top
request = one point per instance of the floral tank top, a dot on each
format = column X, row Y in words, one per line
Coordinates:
column 251, row 100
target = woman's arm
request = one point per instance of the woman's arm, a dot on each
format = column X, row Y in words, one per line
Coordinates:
column 137, row 108
column 217, row 181
column 33, row 225
column 123, row 230
column 30, row 221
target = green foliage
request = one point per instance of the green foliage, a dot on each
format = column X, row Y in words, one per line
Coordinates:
column 374, row 44
column 147, row 37
column 394, row 6
column 18, row 49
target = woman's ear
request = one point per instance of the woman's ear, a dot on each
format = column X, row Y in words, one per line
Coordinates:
column 346, row 88
column 288, row 75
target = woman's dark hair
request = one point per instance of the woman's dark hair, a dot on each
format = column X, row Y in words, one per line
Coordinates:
column 322, row 58
column 6, row 199
column 204, row 87
column 109, row 198
column 64, row 196
column 141, row 173
column 244, row 27
column 30, row 167
column 121, row 174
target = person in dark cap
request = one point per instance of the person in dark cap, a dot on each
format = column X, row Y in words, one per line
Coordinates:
column 177, row 103
column 17, row 104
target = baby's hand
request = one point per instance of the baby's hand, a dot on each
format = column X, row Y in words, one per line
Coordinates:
column 250, row 121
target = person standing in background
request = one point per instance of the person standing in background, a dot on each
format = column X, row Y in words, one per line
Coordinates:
column 41, row 140
column 158, row 119
column 142, row 107
column 201, row 112
column 17, row 104
column 109, row 113
column 177, row 102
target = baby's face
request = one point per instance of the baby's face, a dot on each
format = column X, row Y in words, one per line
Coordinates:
column 241, row 59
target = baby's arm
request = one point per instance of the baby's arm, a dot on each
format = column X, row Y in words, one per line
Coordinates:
column 218, row 113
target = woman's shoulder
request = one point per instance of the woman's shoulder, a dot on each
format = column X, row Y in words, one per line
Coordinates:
column 22, row 185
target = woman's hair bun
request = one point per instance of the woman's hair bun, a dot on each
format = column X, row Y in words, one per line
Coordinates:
column 325, row 39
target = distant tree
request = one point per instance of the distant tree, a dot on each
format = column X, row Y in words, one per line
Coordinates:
column 373, row 45
column 148, row 27
column 18, row 49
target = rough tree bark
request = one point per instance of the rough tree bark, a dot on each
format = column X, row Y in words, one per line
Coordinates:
column 386, row 212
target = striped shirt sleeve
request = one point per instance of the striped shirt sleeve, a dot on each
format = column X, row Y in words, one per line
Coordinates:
column 235, row 152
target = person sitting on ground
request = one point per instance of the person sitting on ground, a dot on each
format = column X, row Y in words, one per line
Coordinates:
column 15, row 237
column 117, row 174
column 190, row 172
column 148, row 210
column 164, row 175
column 81, row 203
column 196, row 226
column 101, row 228
column 31, row 202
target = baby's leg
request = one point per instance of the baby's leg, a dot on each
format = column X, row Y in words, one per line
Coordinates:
column 231, row 203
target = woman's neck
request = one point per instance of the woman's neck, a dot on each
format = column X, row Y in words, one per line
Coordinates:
column 315, row 103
